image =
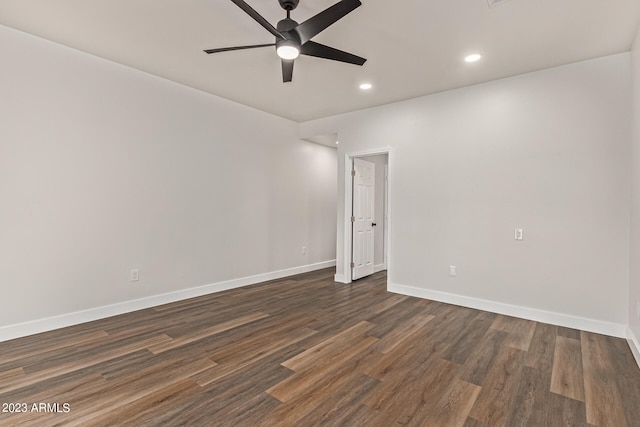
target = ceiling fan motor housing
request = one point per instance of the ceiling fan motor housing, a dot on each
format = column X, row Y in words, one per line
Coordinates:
column 287, row 28
column 289, row 4
column 286, row 24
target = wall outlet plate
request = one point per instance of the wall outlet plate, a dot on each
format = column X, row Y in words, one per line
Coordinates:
column 518, row 234
column 452, row 270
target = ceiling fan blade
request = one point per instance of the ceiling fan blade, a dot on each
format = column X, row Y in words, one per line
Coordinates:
column 326, row 52
column 226, row 49
column 287, row 70
column 322, row 20
column 255, row 15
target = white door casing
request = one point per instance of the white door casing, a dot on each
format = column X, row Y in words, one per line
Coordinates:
column 363, row 219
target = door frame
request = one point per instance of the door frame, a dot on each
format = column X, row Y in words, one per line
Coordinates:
column 348, row 198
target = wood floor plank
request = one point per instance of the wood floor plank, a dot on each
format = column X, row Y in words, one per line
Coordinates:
column 64, row 392
column 621, row 357
column 79, row 363
column 224, row 368
column 123, row 392
column 341, row 407
column 216, row 329
column 629, row 388
column 520, row 331
column 529, row 404
column 568, row 332
column 20, row 352
column 253, row 339
column 567, row 373
column 15, row 374
column 467, row 340
column 331, row 354
column 227, row 343
column 302, row 404
column 388, row 303
column 406, row 329
column 492, row 406
column 565, row 412
column 143, row 408
column 330, row 346
column 253, row 409
column 482, row 358
column 392, row 401
column 450, row 322
column 385, row 321
column 222, row 400
column 602, row 397
column 474, row 423
column 304, row 379
column 542, row 349
column 455, row 404
column 398, row 362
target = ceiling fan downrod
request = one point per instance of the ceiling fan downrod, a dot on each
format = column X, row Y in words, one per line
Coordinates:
column 289, row 5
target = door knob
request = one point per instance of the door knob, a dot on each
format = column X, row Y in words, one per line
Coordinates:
column 373, row 224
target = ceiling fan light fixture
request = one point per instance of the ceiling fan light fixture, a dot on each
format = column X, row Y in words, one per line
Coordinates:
column 288, row 49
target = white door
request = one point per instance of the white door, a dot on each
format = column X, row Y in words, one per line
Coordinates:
column 362, row 220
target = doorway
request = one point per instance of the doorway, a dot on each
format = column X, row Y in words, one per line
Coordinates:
column 367, row 220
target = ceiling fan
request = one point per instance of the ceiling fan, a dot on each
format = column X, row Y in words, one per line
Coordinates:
column 293, row 39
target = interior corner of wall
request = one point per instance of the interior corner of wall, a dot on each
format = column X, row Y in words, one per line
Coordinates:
column 317, row 127
column 634, row 345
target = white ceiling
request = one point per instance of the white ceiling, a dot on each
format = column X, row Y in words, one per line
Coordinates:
column 413, row 47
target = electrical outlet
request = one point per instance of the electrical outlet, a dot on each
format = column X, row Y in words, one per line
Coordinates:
column 134, row 276
column 519, row 234
column 452, row 270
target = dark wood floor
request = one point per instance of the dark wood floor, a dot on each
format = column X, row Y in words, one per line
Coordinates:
column 306, row 351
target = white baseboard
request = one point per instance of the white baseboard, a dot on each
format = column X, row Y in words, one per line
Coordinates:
column 560, row 319
column 50, row 323
column 341, row 278
column 634, row 345
column 379, row 267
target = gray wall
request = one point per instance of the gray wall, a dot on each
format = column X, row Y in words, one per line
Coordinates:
column 104, row 169
column 546, row 151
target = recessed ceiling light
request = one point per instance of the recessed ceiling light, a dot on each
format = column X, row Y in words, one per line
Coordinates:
column 473, row 58
column 366, row 86
column 337, row 142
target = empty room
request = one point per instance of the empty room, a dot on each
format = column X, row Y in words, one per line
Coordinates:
column 329, row 212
